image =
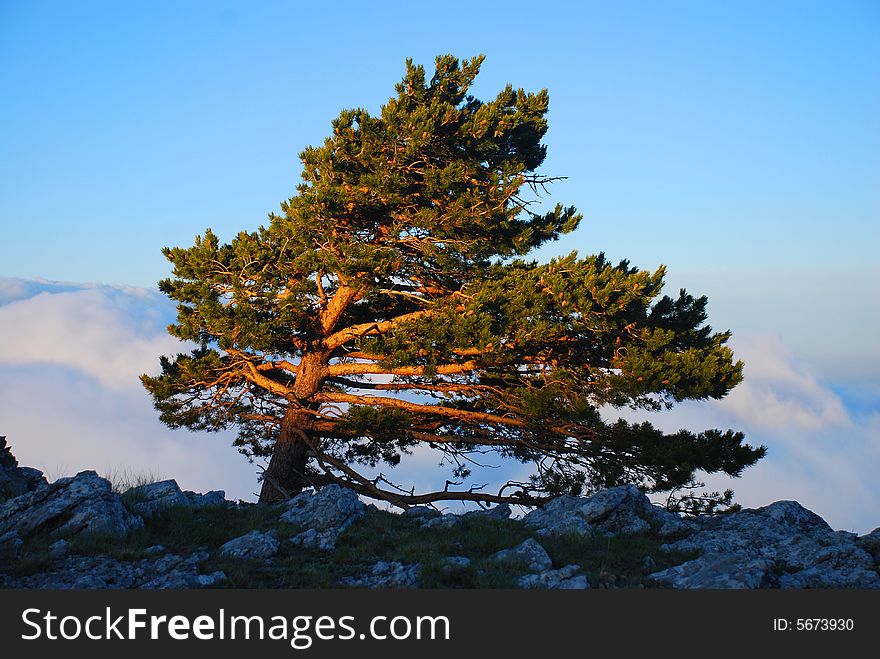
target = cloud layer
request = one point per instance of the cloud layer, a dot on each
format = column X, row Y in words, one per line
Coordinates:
column 70, row 399
column 823, row 450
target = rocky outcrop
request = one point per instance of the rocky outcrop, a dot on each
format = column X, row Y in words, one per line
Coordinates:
column 148, row 500
column 323, row 515
column 782, row 545
column 10, row 542
column 532, row 556
column 104, row 572
column 15, row 480
column 559, row 517
column 84, row 503
column 434, row 520
column 870, row 542
column 498, row 512
column 422, row 512
column 620, row 510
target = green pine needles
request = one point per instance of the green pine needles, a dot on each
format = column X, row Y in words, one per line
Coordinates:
column 390, row 306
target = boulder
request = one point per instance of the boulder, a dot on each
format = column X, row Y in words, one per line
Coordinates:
column 212, row 498
column 498, row 512
column 253, row 546
column 560, row 516
column 722, row 570
column 84, row 503
column 617, row 511
column 323, row 515
column 441, row 522
column 332, row 506
column 529, row 553
column 148, row 500
column 421, row 512
column 626, row 510
column 15, row 480
column 780, row 545
column 321, row 540
column 565, row 578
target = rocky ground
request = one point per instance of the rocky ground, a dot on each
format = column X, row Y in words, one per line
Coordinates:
column 77, row 532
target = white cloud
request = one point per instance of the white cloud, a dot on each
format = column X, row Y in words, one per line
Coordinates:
column 778, row 393
column 109, row 333
column 70, row 400
column 820, row 452
column 62, row 422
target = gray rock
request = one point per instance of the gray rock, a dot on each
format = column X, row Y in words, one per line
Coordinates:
column 623, row 510
column 617, row 511
column 671, row 525
column 387, row 575
column 560, row 516
column 184, row 579
column 722, row 571
column 10, row 542
column 103, row 572
column 15, row 480
column 205, row 580
column 529, row 553
column 312, row 539
column 84, row 503
column 824, row 576
column 7, row 460
column 780, row 545
column 498, row 512
column 147, row 500
column 59, row 548
column 871, row 544
column 212, row 498
column 323, row 515
column 155, row 549
column 565, row 578
column 441, row 522
column 332, row 506
column 452, row 564
column 253, row 546
column 421, row 512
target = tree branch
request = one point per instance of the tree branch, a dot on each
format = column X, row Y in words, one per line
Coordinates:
column 374, row 369
column 367, row 329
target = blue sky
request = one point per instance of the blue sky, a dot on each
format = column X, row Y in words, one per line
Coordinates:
column 737, row 143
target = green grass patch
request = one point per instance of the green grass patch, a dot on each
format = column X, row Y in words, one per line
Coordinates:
column 608, row 562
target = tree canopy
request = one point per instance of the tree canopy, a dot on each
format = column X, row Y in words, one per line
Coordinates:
column 391, row 305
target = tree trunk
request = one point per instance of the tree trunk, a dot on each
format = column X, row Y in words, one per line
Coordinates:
column 286, row 474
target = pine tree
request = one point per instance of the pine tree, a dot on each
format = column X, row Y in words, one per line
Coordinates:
column 390, row 305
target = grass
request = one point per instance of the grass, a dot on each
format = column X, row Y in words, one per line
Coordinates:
column 617, row 562
column 122, row 479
